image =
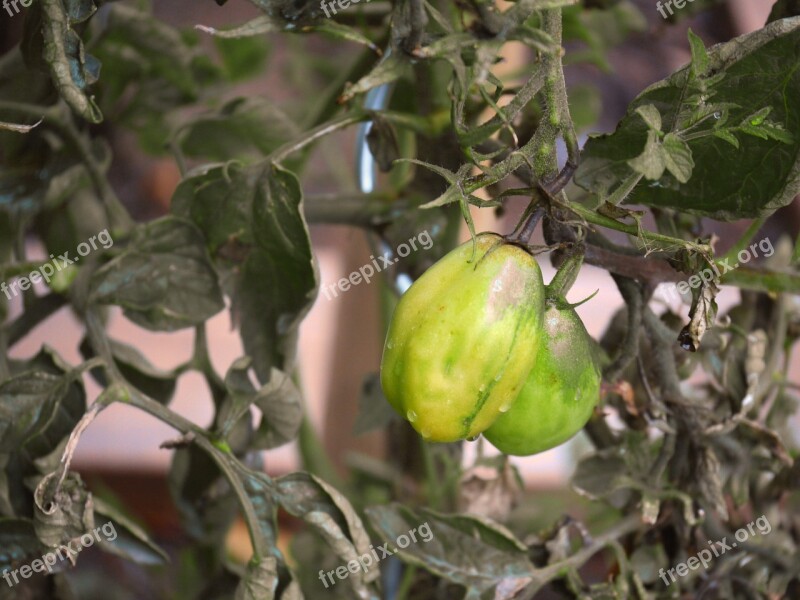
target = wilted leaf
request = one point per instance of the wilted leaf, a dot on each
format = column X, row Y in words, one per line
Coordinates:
column 260, row 580
column 62, row 512
column 702, row 315
column 467, row 551
column 19, row 128
column 163, row 280
column 490, row 490
column 278, row 400
column 303, row 493
column 71, row 68
column 332, row 516
column 130, row 540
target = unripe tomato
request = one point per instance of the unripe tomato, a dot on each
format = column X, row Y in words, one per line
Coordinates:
column 463, row 339
column 561, row 392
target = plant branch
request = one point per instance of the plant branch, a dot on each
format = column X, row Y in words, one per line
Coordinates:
column 311, row 136
column 633, row 296
column 666, row 241
column 557, row 570
column 361, row 210
column 226, row 461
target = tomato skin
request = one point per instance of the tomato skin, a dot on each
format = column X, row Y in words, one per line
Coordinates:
column 463, row 339
column 560, row 394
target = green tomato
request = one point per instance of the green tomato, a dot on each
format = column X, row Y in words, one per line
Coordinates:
column 463, row 339
column 561, row 391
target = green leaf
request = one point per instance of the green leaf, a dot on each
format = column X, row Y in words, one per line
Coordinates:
column 678, row 157
column 260, row 491
column 652, row 161
column 27, row 404
column 64, row 414
column 279, row 279
column 759, row 177
column 163, row 50
column 651, row 116
column 242, row 127
column 163, row 280
column 219, row 200
column 783, row 9
column 724, row 134
column 130, row 541
column 464, row 550
column 242, row 58
column 700, row 60
column 253, row 221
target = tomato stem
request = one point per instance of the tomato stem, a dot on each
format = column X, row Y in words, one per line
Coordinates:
column 530, row 219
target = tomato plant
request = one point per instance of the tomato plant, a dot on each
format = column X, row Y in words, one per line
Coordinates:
column 688, row 416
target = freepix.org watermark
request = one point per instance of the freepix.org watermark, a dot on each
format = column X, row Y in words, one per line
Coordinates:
column 70, row 550
column 48, row 269
column 325, row 5
column 365, row 561
column 366, row 272
column 675, row 291
column 667, row 6
column 8, row 4
column 717, row 549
